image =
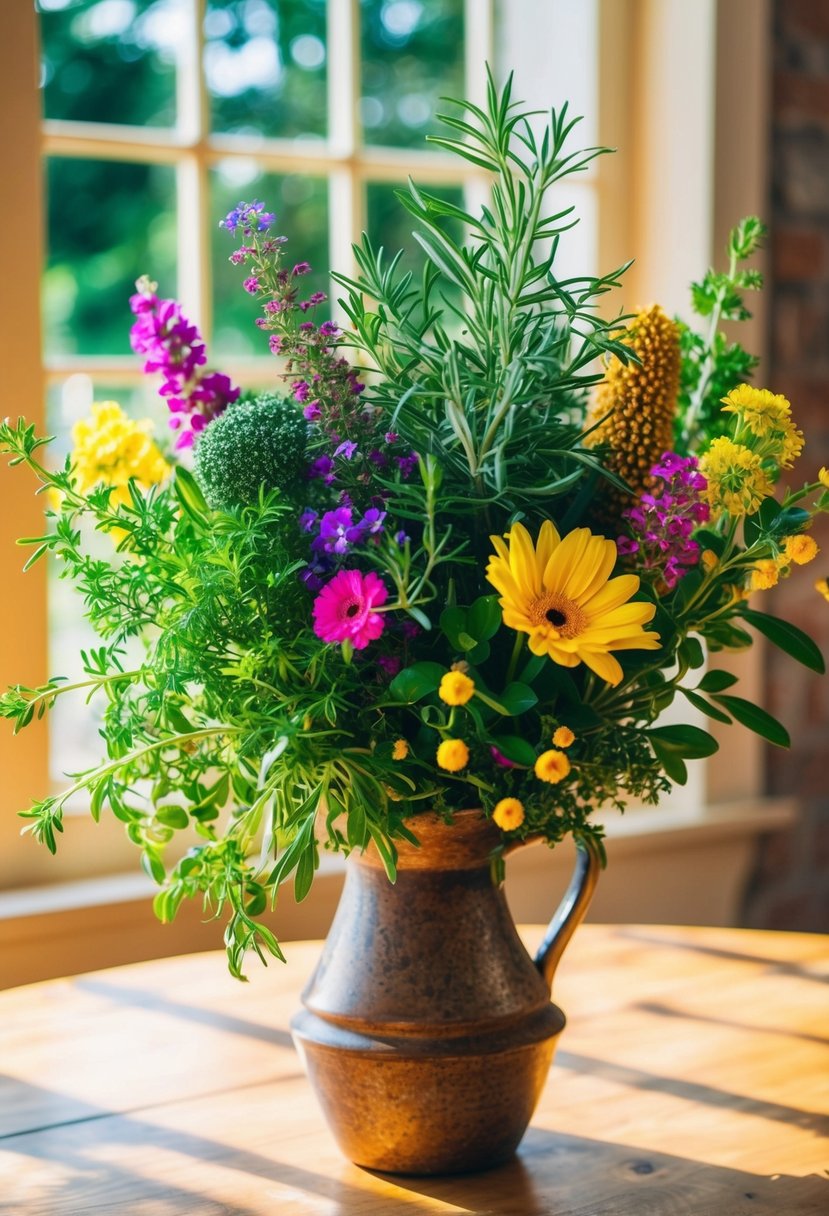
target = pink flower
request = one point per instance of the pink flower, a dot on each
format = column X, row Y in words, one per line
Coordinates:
column 343, row 609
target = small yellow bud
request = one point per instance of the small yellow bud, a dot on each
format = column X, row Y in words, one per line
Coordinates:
column 822, row 587
column 552, row 766
column 456, row 688
column 453, row 755
column 764, row 575
column 509, row 814
column 800, row 549
column 709, row 560
column 400, row 750
column 563, row 737
column 823, row 477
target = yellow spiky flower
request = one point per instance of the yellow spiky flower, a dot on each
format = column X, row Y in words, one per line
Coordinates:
column 640, row 401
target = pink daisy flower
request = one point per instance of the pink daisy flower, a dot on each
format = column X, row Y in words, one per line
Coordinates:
column 343, row 609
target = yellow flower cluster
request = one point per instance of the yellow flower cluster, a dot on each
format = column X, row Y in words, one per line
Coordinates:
column 110, row 448
column 640, row 399
column 737, row 480
column 509, row 814
column 765, row 416
column 456, row 688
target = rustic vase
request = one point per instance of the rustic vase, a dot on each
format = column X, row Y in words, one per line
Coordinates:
column 427, row 1030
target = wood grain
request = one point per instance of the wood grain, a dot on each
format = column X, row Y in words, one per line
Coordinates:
column 692, row 1080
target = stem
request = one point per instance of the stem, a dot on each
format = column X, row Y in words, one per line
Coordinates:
column 517, row 647
column 707, row 368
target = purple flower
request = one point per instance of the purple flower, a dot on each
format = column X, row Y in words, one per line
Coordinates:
column 661, row 523
column 301, row 390
column 372, row 522
column 307, row 520
column 401, row 537
column 312, row 412
column 389, row 664
column 323, row 467
column 336, row 531
column 300, row 268
column 251, row 285
column 250, row 217
column 346, row 449
column 329, row 330
column 319, row 297
column 391, row 437
column 407, row 464
column 173, row 346
column 275, row 343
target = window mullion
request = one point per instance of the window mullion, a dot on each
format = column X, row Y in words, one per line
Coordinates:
column 346, row 205
column 194, row 286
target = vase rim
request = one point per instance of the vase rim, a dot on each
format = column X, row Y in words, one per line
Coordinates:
column 464, row 842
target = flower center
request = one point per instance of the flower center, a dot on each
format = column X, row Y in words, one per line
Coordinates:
column 562, row 616
column 352, row 609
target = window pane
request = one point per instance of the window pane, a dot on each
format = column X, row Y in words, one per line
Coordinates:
column 412, row 54
column 111, row 61
column 73, row 736
column 301, row 206
column 391, row 226
column 265, row 66
column 108, row 223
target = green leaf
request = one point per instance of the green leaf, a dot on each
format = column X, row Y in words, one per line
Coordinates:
column 305, row 870
column 756, row 719
column 791, row 520
column 691, row 652
column 788, row 638
column 453, row 624
column 172, row 816
column 153, row 866
column 515, row 748
column 484, row 618
column 762, row 521
column 704, row 706
column 190, row 496
column 417, row 681
column 517, row 699
column 672, row 763
column 688, row 741
column 716, row 681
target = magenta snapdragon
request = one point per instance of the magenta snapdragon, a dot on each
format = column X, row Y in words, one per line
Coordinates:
column 661, row 523
column 174, row 347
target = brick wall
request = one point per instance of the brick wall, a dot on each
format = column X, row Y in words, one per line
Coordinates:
column 790, row 885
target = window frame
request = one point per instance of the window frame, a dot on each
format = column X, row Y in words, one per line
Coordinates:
column 635, row 38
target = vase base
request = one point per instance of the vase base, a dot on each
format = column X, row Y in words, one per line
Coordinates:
column 422, row 1115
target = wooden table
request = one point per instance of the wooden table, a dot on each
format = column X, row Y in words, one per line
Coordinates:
column 692, row 1078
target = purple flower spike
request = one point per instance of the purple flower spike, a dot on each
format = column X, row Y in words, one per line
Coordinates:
column 662, row 522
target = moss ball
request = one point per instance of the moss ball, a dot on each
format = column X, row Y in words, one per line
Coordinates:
column 256, row 442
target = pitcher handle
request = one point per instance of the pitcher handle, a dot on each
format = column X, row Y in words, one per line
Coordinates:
column 572, row 909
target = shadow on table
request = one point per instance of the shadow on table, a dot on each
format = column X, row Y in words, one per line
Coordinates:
column 558, row 1175
column 159, row 1169
column 781, row 966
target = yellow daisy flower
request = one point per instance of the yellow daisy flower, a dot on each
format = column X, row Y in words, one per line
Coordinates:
column 453, row 755
column 561, row 594
column 552, row 766
column 509, row 814
column 563, row 737
column 800, row 549
column 456, row 688
column 737, row 481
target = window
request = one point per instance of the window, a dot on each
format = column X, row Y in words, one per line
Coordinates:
column 155, row 115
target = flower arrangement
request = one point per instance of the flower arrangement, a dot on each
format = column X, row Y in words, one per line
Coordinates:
column 465, row 553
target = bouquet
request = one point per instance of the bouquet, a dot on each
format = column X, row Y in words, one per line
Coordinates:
column 465, row 553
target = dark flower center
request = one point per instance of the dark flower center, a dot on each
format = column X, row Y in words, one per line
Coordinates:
column 555, row 617
column 352, row 609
